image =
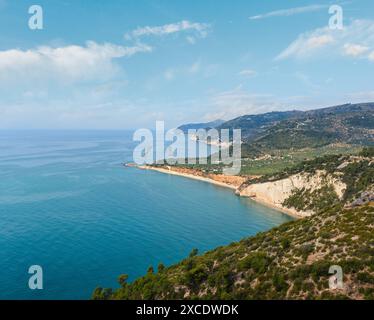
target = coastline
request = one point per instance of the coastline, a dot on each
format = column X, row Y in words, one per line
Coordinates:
column 189, row 176
column 290, row 212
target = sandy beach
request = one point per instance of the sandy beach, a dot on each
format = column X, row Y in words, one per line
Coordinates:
column 234, row 187
column 189, row 176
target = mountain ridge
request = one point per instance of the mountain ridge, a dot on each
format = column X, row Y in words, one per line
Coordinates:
column 347, row 123
column 203, row 125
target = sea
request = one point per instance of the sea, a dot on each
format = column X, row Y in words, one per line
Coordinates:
column 68, row 205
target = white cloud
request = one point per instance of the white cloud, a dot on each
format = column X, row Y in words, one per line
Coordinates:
column 86, row 107
column 69, row 63
column 371, row 56
column 289, row 12
column 354, row 50
column 316, row 42
column 236, row 102
column 354, row 40
column 200, row 29
column 357, row 97
column 248, row 73
column 306, row 45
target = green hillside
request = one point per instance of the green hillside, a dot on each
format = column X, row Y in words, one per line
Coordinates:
column 289, row 262
column 253, row 126
column 352, row 125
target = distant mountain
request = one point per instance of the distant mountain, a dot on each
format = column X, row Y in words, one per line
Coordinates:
column 254, row 125
column 348, row 124
column 197, row 126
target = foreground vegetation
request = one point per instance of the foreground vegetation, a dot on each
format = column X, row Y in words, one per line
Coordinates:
column 289, row 262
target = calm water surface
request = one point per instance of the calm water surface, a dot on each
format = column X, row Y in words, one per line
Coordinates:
column 68, row 205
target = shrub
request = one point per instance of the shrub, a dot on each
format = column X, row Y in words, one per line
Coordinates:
column 285, row 243
column 195, row 276
column 122, row 280
column 194, row 253
column 257, row 261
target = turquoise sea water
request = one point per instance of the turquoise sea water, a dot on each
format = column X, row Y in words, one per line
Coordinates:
column 68, row 205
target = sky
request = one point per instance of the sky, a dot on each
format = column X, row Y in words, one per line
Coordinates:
column 124, row 64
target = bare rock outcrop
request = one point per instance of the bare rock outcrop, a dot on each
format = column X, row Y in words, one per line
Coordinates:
column 274, row 193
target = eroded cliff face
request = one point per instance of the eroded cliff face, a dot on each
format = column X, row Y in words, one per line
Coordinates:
column 276, row 192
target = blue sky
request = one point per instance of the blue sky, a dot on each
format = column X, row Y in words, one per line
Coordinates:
column 125, row 64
